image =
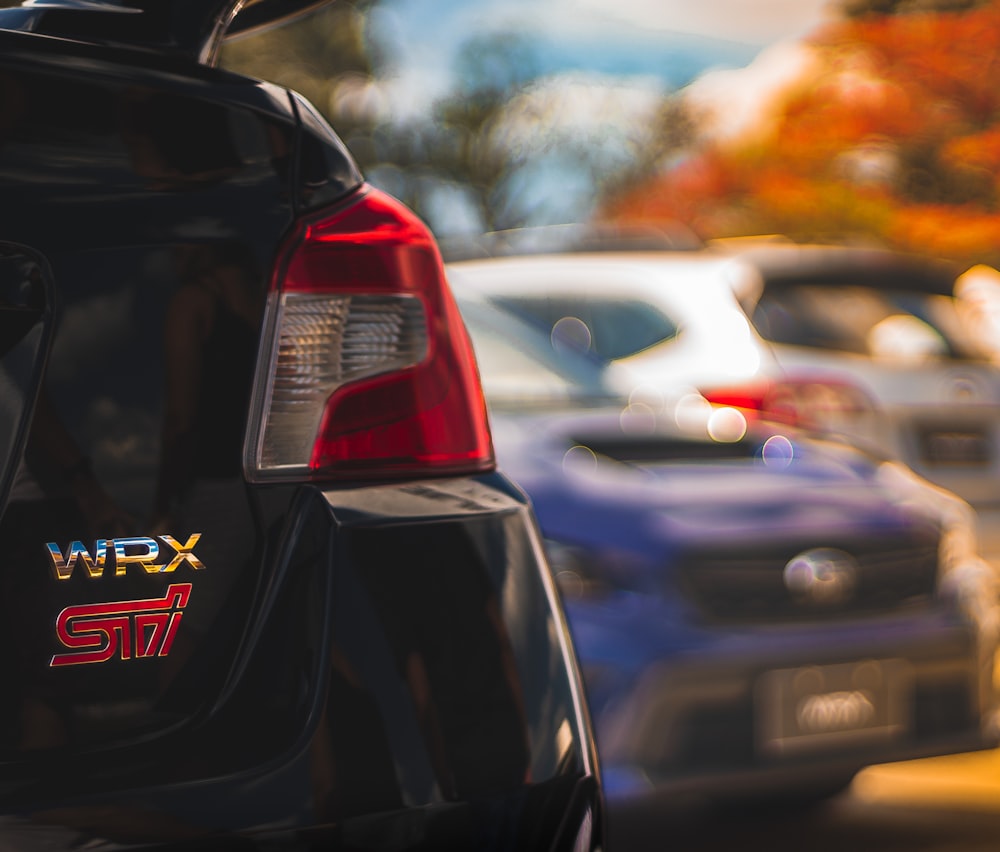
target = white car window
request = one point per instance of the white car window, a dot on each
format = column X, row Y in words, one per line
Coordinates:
column 618, row 328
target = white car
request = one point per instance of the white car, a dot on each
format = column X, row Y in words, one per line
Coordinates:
column 666, row 323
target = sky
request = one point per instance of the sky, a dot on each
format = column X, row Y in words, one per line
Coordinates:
column 673, row 41
column 754, row 21
column 670, row 39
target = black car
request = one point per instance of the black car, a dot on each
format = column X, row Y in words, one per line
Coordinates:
column 262, row 585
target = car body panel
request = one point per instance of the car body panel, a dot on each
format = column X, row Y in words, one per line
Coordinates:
column 348, row 698
column 26, row 314
column 130, row 218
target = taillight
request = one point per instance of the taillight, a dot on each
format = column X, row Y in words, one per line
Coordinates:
column 811, row 402
column 366, row 370
column 751, row 399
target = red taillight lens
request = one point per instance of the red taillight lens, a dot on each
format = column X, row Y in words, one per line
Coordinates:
column 822, row 402
column 750, row 399
column 366, row 370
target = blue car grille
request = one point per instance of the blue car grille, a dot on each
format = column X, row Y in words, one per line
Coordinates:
column 749, row 585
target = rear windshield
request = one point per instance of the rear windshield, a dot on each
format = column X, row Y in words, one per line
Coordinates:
column 873, row 322
column 519, row 365
column 609, row 328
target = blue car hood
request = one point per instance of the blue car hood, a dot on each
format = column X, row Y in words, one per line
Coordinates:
column 593, row 481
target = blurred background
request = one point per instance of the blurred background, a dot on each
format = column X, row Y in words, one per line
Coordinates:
column 817, row 119
column 870, row 123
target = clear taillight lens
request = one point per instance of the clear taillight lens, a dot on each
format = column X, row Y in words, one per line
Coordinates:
column 366, row 370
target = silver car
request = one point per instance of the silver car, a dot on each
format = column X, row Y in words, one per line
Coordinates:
column 909, row 342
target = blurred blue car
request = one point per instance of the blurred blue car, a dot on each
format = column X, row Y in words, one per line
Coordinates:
column 756, row 612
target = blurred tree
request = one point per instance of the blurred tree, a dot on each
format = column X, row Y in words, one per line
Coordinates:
column 491, row 69
column 891, row 133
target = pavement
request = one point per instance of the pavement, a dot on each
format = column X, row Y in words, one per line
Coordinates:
column 963, row 781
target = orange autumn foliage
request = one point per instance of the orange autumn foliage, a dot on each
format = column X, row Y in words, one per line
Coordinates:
column 895, row 136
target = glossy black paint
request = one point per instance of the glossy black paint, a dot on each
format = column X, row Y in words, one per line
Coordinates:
column 26, row 299
column 402, row 670
column 382, row 666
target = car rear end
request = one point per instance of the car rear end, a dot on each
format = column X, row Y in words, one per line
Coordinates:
column 261, row 580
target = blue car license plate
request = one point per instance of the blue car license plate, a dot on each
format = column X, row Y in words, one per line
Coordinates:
column 832, row 706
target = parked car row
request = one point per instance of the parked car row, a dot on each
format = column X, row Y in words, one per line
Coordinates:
column 888, row 350
column 763, row 600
